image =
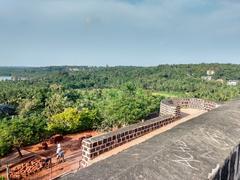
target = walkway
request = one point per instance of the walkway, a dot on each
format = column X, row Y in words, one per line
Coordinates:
column 190, row 150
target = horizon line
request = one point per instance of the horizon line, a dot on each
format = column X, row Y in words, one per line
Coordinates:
column 68, row 65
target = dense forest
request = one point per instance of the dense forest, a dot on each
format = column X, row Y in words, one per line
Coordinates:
column 40, row 102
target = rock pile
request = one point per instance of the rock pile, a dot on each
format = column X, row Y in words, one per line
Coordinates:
column 26, row 169
column 56, row 139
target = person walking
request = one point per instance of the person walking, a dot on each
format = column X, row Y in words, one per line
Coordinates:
column 58, row 148
column 60, row 153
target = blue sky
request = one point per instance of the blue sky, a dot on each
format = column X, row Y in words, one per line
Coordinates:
column 118, row 32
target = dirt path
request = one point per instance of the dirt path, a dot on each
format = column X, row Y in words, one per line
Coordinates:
column 13, row 158
column 71, row 147
column 71, row 163
column 73, row 156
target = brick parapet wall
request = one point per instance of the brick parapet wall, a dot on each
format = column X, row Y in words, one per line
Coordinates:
column 95, row 146
column 168, row 107
column 170, row 110
column 195, row 103
column 173, row 106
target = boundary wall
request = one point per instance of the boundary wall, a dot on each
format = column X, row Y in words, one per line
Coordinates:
column 170, row 111
column 230, row 169
column 95, row 146
column 173, row 106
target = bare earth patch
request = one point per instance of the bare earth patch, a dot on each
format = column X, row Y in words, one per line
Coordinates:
column 72, row 150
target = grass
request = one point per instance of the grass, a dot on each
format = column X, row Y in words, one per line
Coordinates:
column 168, row 94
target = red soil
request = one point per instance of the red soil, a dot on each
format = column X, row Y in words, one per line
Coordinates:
column 32, row 168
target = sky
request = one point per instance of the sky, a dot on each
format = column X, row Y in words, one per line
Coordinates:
column 118, row 32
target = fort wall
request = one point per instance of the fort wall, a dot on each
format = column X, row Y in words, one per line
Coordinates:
column 170, row 111
column 95, row 146
column 206, row 147
column 173, row 106
column 230, row 169
column 168, row 107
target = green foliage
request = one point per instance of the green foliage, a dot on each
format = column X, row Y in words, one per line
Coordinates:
column 72, row 120
column 55, row 104
column 23, row 131
column 60, row 100
column 20, row 132
column 67, row 121
column 128, row 106
column 5, row 146
column 90, row 119
column 2, row 178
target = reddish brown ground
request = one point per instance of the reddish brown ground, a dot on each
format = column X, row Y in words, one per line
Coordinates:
column 72, row 150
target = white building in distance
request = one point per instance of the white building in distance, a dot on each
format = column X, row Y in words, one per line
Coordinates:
column 210, row 72
column 232, row 82
column 207, row 78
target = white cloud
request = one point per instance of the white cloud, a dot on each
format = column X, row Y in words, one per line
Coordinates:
column 177, row 16
column 155, row 12
column 155, row 25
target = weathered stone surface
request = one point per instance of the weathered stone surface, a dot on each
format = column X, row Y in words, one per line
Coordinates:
column 189, row 151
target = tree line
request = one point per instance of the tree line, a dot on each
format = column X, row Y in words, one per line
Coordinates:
column 73, row 99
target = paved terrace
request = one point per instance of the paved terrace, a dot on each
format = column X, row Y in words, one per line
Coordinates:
column 191, row 150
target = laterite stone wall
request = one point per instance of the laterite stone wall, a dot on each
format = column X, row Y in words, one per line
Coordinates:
column 95, row 146
column 173, row 106
column 170, row 111
column 168, row 107
column 195, row 103
column 230, row 169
